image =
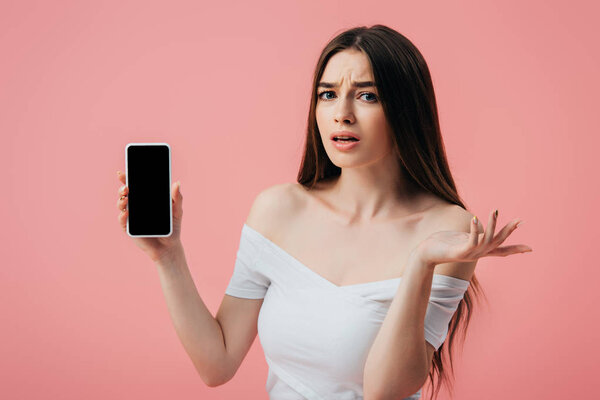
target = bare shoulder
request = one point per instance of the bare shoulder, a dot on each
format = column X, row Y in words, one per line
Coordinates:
column 451, row 217
column 272, row 206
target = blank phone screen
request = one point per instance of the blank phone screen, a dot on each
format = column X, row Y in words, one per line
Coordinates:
column 149, row 182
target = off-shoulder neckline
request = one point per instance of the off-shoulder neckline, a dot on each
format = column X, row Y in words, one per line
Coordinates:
column 440, row 278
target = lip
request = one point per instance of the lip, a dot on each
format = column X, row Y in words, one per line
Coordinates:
column 345, row 146
column 344, row 133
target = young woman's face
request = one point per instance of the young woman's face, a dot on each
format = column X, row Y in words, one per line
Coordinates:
column 355, row 109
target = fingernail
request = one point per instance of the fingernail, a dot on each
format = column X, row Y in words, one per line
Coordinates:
column 496, row 213
column 475, row 219
column 519, row 223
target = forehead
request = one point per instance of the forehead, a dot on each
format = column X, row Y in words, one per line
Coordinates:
column 348, row 65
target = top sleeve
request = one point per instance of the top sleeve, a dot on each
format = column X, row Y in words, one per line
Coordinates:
column 446, row 294
column 248, row 281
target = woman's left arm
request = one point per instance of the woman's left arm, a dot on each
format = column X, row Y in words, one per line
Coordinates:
column 399, row 361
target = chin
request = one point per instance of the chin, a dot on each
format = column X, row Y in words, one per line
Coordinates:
column 349, row 162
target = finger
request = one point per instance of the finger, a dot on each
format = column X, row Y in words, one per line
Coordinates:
column 474, row 233
column 480, row 228
column 122, row 202
column 505, row 232
column 176, row 192
column 177, row 200
column 122, row 218
column 122, row 177
column 123, row 191
column 489, row 232
column 508, row 250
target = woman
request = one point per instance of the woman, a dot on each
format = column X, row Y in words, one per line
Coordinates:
column 353, row 276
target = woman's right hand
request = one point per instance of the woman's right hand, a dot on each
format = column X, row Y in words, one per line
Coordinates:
column 155, row 247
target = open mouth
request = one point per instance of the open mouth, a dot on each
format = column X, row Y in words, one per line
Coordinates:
column 345, row 140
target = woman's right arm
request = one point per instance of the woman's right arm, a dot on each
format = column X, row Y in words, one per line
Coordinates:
column 216, row 345
column 198, row 330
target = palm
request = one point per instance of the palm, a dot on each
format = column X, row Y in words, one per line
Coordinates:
column 155, row 247
column 453, row 246
column 448, row 245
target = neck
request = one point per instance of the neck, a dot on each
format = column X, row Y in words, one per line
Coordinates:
column 373, row 192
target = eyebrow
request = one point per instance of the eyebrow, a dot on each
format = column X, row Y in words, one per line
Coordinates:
column 355, row 84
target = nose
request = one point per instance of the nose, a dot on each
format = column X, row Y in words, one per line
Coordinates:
column 343, row 111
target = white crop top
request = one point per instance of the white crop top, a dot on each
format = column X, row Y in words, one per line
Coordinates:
column 316, row 335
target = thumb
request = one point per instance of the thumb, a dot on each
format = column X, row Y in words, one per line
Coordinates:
column 177, row 198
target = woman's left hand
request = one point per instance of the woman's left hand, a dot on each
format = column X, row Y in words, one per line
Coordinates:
column 452, row 246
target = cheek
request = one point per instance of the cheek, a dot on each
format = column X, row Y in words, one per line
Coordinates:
column 318, row 115
column 378, row 120
column 383, row 141
column 320, row 125
column 377, row 125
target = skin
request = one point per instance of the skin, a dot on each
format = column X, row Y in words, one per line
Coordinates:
column 371, row 197
column 368, row 202
column 154, row 247
column 370, row 182
column 371, row 200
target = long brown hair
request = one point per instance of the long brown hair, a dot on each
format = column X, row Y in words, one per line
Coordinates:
column 406, row 93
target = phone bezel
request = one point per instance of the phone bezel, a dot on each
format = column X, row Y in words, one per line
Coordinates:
column 170, row 183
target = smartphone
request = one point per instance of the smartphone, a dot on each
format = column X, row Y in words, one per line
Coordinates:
column 148, row 175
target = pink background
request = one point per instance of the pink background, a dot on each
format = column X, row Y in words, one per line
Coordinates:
column 227, row 85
